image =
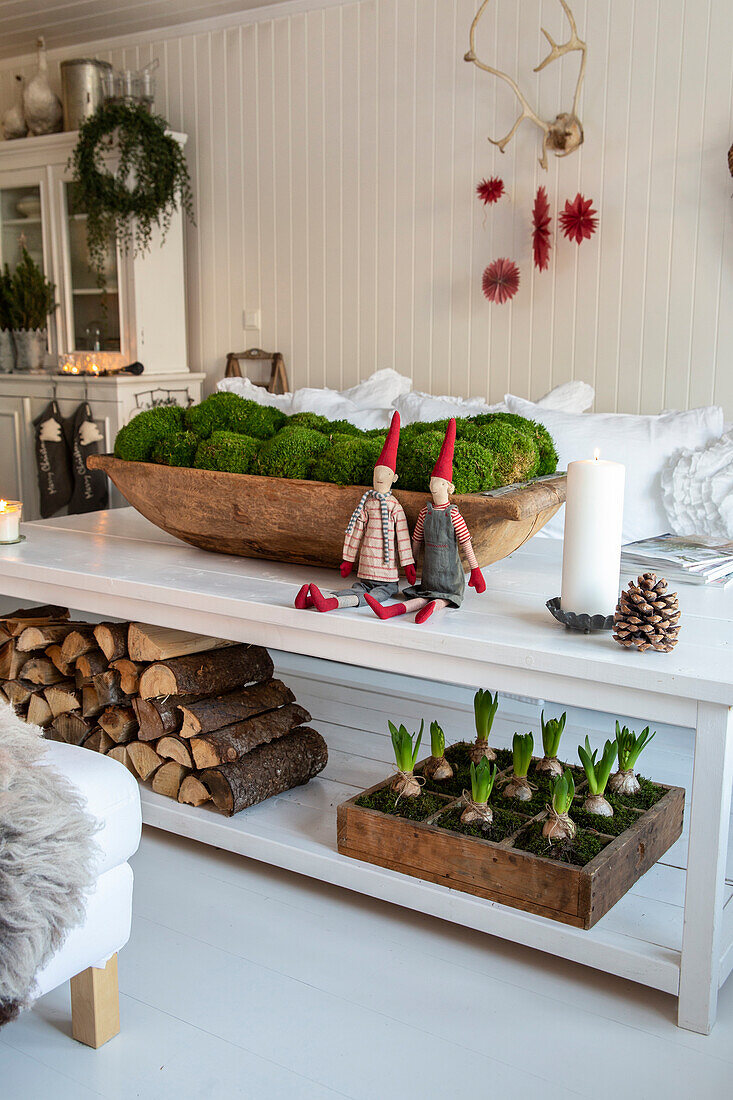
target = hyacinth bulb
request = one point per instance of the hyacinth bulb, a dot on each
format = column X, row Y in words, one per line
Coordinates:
column 501, row 281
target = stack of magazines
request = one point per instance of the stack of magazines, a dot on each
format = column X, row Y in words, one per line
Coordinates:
column 682, row 559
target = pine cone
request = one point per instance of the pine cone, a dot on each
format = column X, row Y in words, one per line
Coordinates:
column 647, row 616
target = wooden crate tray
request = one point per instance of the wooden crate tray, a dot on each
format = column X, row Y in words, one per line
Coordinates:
column 500, row 872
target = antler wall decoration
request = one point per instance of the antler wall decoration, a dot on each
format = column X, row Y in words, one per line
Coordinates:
column 565, row 133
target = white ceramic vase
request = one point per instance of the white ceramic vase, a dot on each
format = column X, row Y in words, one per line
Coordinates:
column 30, row 348
column 7, row 351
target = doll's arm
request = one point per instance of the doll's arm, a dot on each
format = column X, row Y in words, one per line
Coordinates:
column 418, row 533
column 476, row 580
column 352, row 542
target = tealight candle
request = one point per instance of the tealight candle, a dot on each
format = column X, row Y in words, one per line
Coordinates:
column 10, row 512
column 592, row 548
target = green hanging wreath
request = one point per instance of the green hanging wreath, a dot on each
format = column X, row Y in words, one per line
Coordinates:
column 144, row 153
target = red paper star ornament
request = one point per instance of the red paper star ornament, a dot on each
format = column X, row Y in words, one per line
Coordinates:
column 501, row 281
column 578, row 220
column 490, row 190
column 541, row 230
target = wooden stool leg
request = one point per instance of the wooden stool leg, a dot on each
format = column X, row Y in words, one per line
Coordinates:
column 95, row 1005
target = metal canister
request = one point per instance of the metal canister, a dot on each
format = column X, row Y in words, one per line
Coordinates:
column 82, row 89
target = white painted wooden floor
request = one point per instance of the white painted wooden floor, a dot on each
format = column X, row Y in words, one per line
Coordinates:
column 244, row 981
column 241, row 980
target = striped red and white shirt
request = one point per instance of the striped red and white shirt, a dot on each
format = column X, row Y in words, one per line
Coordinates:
column 366, row 540
column 463, row 535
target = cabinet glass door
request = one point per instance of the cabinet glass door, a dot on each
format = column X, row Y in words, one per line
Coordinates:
column 20, row 223
column 95, row 311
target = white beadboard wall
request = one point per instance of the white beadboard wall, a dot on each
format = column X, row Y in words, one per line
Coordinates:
column 334, row 154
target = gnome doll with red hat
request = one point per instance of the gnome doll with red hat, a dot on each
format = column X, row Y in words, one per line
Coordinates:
column 378, row 533
column 441, row 529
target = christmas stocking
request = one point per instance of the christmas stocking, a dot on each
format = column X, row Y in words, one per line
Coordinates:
column 52, row 460
column 91, row 492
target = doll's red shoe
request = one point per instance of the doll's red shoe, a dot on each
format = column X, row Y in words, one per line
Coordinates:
column 321, row 602
column 425, row 612
column 303, row 599
column 382, row 611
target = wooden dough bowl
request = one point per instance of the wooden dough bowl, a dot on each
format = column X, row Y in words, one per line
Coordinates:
column 304, row 521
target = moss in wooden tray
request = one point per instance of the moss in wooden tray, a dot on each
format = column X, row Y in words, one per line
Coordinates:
column 579, row 851
column 504, row 824
column 457, row 756
column 535, row 805
column 414, row 809
column 623, row 817
column 647, row 797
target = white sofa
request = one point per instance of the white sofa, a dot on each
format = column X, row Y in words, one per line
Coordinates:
column 88, row 956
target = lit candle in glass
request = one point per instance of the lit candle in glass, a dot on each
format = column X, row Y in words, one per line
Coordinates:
column 592, row 548
column 10, row 512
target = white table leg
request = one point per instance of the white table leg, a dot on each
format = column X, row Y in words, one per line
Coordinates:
column 709, row 819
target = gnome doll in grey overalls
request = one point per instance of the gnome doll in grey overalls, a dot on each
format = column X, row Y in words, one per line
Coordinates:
column 441, row 529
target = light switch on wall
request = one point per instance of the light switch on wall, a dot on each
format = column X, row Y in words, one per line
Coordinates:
column 251, row 318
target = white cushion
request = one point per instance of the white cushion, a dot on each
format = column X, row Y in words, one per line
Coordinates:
column 244, row 388
column 570, row 397
column 379, row 390
column 697, row 490
column 416, row 406
column 106, row 929
column 111, row 795
column 642, row 443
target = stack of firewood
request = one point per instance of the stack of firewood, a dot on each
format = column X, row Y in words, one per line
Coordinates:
column 198, row 718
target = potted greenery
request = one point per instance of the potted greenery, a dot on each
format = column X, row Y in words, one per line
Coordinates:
column 552, row 731
column 559, row 825
column 7, row 321
column 33, row 300
column 405, row 782
column 477, row 806
column 628, row 747
column 437, row 767
column 518, row 786
column 485, row 706
column 597, row 773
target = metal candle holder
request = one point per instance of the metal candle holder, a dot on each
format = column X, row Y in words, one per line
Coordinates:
column 582, row 623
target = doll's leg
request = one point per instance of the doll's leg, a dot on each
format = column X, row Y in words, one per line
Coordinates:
column 428, row 609
column 334, row 601
column 383, row 610
column 303, row 599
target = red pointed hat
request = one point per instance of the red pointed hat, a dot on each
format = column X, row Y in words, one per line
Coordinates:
column 388, row 456
column 444, row 466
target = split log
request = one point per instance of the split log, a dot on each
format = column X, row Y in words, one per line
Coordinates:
column 212, row 673
column 168, row 778
column 223, row 746
column 109, row 692
column 145, row 759
column 120, row 723
column 205, row 715
column 55, row 654
column 73, row 728
column 120, row 753
column 45, row 634
column 39, row 712
column 129, row 674
column 173, row 748
column 157, row 717
column 193, row 792
column 79, row 641
column 267, row 770
column 99, row 741
column 39, row 670
column 160, row 643
column 11, row 661
column 90, row 704
column 15, row 622
column 19, row 693
column 3, row 696
column 112, row 640
column 62, row 698
column 88, row 666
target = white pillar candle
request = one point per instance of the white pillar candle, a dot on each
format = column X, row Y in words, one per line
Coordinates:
column 10, row 511
column 592, row 548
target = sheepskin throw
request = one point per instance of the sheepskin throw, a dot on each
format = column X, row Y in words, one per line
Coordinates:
column 46, row 860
